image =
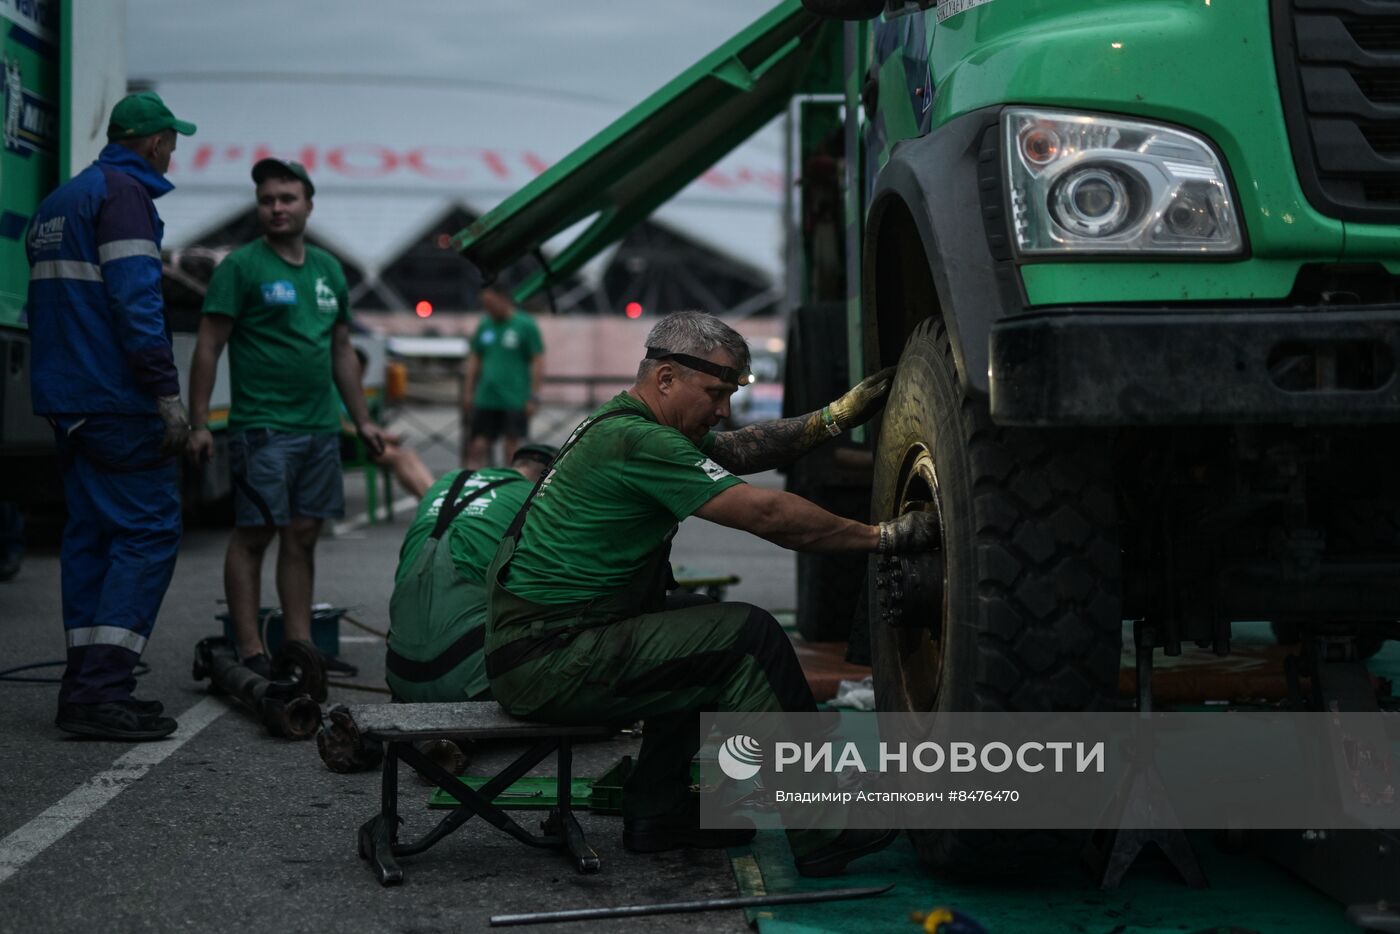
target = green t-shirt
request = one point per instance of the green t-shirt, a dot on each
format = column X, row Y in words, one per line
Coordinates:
column 476, row 532
column 279, row 353
column 611, row 500
column 506, row 349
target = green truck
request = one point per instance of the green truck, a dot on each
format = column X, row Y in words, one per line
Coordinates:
column 1137, row 263
column 64, row 66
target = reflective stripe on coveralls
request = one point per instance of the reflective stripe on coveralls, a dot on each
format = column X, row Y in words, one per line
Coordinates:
column 106, row 635
column 438, row 618
column 121, row 249
column 65, row 269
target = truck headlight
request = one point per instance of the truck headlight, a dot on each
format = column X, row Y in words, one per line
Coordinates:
column 1092, row 184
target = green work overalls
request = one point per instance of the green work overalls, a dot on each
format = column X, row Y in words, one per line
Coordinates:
column 624, row 657
column 438, row 618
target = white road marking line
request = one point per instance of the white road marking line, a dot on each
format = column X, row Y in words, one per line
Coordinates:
column 49, row 827
column 404, row 505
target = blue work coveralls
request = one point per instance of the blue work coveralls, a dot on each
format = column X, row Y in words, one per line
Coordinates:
column 101, row 357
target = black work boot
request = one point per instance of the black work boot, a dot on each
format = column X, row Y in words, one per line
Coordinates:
column 150, row 708
column 119, row 720
column 831, row 859
column 678, row 829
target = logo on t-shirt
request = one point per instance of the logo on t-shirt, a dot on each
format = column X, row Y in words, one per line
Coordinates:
column 713, row 470
column 488, row 337
column 510, row 340
column 280, row 292
column 325, row 296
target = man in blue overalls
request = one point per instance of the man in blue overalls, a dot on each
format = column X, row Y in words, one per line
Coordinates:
column 104, row 377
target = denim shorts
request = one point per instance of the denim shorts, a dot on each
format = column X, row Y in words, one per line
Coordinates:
column 279, row 476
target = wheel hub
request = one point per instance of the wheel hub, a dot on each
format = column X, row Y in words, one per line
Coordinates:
column 910, row 589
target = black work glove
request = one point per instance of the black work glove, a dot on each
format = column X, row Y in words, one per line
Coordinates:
column 177, row 425
column 860, row 403
column 911, row 532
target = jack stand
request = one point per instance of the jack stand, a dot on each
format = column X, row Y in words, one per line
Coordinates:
column 1147, row 816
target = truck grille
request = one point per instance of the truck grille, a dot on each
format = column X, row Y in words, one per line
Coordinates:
column 1339, row 75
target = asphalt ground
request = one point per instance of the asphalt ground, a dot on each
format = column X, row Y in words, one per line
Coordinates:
column 229, row 829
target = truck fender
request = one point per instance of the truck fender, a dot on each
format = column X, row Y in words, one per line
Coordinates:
column 931, row 248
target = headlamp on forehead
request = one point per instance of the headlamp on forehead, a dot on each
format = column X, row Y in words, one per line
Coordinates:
column 726, row 373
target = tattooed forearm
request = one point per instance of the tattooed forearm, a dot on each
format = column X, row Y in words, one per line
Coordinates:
column 768, row 444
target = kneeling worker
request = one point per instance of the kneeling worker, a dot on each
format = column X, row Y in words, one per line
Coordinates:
column 437, row 614
column 581, row 629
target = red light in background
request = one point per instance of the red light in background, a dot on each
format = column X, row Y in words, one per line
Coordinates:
column 423, row 309
column 634, row 309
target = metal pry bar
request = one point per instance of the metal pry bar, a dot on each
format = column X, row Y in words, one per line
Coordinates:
column 670, row 908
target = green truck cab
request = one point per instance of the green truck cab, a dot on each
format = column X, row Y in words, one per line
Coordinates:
column 1136, row 262
column 28, row 170
column 63, row 65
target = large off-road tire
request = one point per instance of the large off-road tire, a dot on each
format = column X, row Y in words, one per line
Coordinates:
column 1029, row 612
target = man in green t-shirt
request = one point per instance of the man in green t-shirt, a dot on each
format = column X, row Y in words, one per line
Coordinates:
column 282, row 308
column 580, row 628
column 437, row 614
column 502, row 383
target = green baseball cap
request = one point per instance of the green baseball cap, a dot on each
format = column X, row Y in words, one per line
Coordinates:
column 283, row 167
column 142, row 114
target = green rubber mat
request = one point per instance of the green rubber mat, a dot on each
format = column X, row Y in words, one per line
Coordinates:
column 1246, row 892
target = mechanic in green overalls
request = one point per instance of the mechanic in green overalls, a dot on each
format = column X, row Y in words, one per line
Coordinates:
column 580, row 626
column 437, row 614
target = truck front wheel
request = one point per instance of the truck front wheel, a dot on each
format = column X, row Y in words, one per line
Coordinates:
column 1019, row 609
